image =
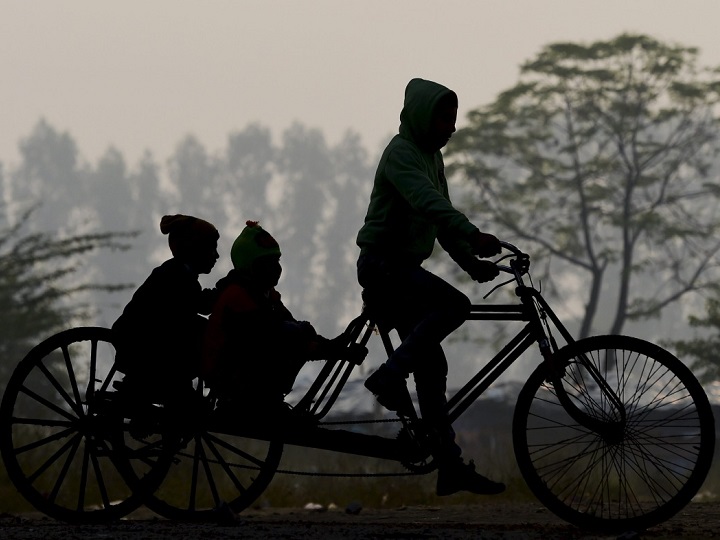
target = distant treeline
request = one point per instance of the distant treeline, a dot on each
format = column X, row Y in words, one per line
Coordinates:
column 311, row 196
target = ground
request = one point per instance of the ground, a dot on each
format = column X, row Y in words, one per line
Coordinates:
column 484, row 520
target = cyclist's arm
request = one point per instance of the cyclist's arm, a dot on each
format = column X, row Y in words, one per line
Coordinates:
column 458, row 249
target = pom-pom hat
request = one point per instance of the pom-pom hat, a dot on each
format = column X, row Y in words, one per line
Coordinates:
column 252, row 243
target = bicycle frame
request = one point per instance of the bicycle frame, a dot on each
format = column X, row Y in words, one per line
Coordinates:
column 532, row 309
column 326, row 388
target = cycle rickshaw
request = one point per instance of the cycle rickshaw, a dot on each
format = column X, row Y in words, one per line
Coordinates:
column 609, row 432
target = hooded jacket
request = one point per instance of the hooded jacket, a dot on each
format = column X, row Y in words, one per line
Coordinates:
column 410, row 205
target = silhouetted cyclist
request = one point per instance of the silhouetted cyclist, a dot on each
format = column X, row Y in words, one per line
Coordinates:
column 409, row 209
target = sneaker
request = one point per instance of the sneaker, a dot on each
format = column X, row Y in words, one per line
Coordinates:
column 462, row 477
column 390, row 390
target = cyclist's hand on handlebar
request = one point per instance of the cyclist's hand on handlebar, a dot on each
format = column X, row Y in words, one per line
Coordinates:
column 484, row 244
column 482, row 271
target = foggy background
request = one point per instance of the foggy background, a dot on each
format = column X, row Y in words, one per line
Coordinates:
column 140, row 75
column 114, row 113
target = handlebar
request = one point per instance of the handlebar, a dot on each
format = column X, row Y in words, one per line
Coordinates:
column 518, row 266
column 519, row 263
column 510, row 247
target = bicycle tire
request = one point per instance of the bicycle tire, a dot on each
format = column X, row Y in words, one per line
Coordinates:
column 634, row 481
column 64, row 452
column 215, row 471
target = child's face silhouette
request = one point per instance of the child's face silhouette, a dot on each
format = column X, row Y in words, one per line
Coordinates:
column 267, row 271
column 203, row 256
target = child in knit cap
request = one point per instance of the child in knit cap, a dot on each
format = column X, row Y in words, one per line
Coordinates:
column 159, row 334
column 254, row 347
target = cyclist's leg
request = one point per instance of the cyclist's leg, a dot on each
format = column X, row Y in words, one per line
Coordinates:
column 429, row 310
column 431, row 369
column 454, row 474
column 442, row 310
column 425, row 310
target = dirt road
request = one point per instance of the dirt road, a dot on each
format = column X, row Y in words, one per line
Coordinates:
column 486, row 521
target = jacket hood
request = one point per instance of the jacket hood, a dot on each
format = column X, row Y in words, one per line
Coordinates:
column 421, row 96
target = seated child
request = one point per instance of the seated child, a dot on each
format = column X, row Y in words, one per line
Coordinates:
column 158, row 336
column 254, row 347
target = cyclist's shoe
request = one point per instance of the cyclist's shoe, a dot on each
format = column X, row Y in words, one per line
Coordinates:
column 390, row 390
column 460, row 476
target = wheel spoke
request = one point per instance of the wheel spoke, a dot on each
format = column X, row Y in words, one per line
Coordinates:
column 99, row 478
column 209, row 475
column 73, row 403
column 15, row 421
column 224, row 464
column 49, row 404
column 194, row 477
column 63, row 472
column 71, row 377
column 90, row 392
column 52, row 459
column 108, row 378
column 235, row 450
column 44, row 441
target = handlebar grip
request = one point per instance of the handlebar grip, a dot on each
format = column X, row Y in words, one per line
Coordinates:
column 520, row 264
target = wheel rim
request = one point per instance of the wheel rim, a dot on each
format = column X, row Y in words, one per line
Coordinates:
column 59, row 444
column 641, row 477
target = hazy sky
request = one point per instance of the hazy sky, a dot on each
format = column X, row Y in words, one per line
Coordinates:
column 141, row 74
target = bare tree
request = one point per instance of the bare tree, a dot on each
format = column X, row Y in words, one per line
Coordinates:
column 602, row 159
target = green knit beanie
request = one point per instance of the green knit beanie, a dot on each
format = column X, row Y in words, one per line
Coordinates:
column 252, row 243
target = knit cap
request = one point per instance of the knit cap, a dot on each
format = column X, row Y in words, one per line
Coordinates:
column 252, row 243
column 186, row 231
